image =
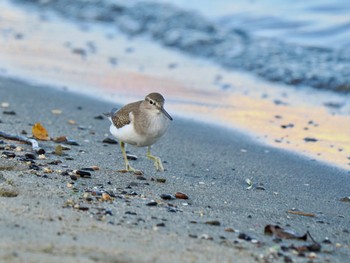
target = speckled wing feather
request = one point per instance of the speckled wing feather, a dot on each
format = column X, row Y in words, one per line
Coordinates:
column 122, row 117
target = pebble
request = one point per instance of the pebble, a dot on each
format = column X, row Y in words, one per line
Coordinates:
column 230, row 229
column 345, row 199
column 160, row 224
column 152, row 203
column 244, row 237
column 213, row 222
column 83, row 174
column 9, row 112
column 139, row 177
column 73, row 177
column 8, row 154
column 30, row 156
column 160, row 180
column 180, row 195
column 106, row 197
column 109, row 141
column 131, row 157
column 308, row 139
column 99, row 117
column 167, row 197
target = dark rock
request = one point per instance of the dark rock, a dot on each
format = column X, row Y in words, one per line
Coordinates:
column 160, row 224
column 142, row 178
column 130, row 213
column 83, row 174
column 9, row 112
column 8, row 154
column 131, row 157
column 109, row 141
column 55, row 162
column 74, row 177
column 308, row 139
column 213, row 223
column 345, row 199
column 244, row 237
column 99, row 117
column 30, row 156
column 152, row 203
column 167, row 197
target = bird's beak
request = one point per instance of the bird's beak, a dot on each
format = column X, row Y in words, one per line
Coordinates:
column 166, row 113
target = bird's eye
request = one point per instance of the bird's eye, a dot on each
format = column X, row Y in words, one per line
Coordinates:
column 151, row 102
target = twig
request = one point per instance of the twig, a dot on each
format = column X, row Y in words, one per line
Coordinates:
column 33, row 142
column 300, row 213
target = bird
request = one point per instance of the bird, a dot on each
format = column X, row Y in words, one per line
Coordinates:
column 140, row 124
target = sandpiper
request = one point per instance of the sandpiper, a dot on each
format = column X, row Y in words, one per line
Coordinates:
column 141, row 124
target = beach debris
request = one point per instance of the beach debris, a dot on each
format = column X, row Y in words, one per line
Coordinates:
column 278, row 232
column 159, row 180
column 180, row 195
column 106, row 197
column 140, row 177
column 109, row 141
column 56, row 111
column 33, row 142
column 345, row 199
column 309, row 139
column 206, row 237
column 249, row 183
column 213, row 223
column 39, row 132
column 167, row 197
column 245, row 237
column 294, row 212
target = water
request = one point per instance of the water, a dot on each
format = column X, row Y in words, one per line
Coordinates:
column 237, row 36
column 318, row 23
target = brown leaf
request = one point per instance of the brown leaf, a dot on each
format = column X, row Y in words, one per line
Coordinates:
column 279, row 232
column 180, row 195
column 39, row 132
column 60, row 139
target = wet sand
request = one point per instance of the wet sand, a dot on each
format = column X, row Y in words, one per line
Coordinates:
column 58, row 217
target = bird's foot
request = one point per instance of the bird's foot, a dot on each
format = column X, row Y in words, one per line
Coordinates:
column 157, row 162
column 129, row 168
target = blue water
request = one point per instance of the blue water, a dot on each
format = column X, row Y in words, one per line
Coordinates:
column 320, row 23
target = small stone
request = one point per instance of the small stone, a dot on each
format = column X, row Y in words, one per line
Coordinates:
column 160, row 180
column 72, row 122
column 160, row 225
column 56, row 111
column 106, row 197
column 9, row 112
column 55, row 162
column 73, row 177
column 138, row 172
column 42, row 156
column 109, row 141
column 8, row 191
column 229, row 229
column 244, row 237
column 180, row 195
column 206, row 237
column 213, row 223
column 152, row 203
column 83, row 174
column 345, row 199
column 141, row 178
column 99, row 117
column 30, row 156
column 47, row 170
column 131, row 157
column 5, row 104
column 8, row 154
column 167, row 197
column 308, row 139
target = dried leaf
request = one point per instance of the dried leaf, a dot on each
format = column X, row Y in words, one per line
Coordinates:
column 39, row 132
column 279, row 232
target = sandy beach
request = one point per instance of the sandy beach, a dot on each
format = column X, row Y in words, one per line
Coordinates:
column 48, row 213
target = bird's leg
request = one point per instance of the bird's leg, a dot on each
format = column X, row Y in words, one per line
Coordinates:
column 157, row 161
column 127, row 165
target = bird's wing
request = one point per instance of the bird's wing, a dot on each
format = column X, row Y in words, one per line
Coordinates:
column 122, row 117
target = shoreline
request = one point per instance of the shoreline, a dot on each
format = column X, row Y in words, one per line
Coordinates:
column 209, row 164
